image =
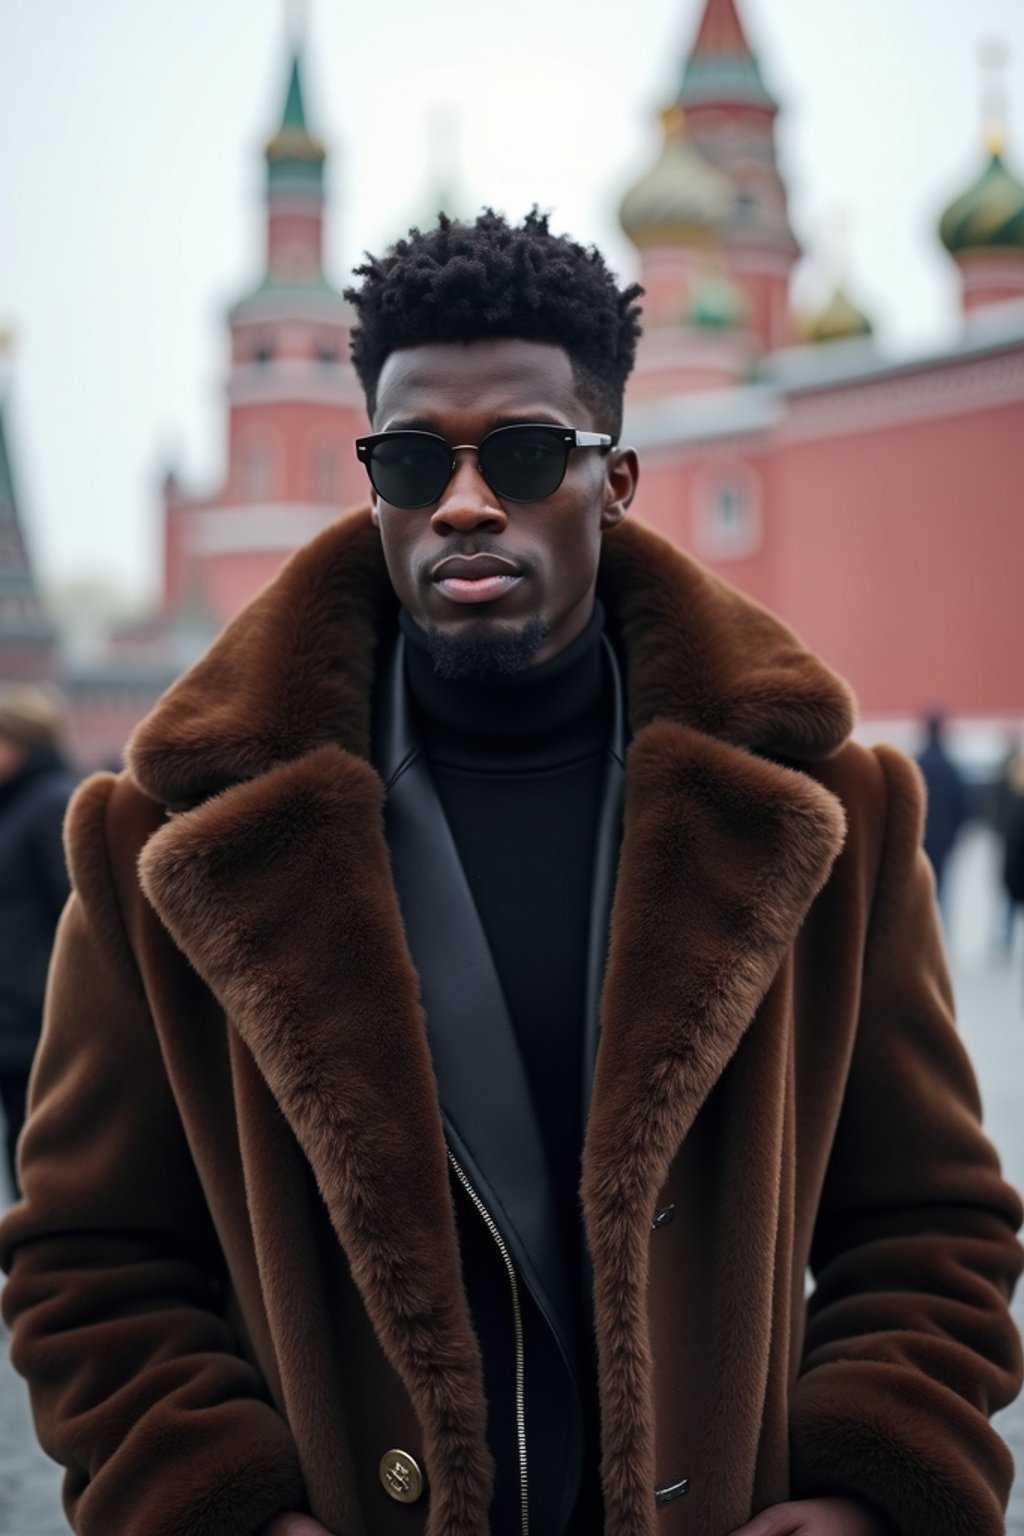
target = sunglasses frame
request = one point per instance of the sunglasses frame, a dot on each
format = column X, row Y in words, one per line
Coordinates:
column 570, row 437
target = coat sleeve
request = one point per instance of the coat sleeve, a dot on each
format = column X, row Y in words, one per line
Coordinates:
column 910, row 1345
column 48, row 847
column 114, row 1294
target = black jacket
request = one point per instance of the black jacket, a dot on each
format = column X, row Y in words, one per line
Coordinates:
column 1013, row 864
column 33, row 890
column 946, row 803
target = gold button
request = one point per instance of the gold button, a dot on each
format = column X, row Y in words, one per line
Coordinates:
column 401, row 1476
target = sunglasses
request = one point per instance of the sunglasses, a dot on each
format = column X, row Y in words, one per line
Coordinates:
column 525, row 462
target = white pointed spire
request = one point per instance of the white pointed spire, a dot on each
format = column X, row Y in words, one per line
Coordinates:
column 994, row 55
column 296, row 22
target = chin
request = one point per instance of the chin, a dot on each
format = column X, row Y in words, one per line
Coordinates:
column 485, row 648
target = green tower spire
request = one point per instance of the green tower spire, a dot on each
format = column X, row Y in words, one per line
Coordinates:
column 295, row 157
column 294, row 110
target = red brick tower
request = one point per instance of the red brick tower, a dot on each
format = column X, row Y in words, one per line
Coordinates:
column 722, row 121
column 294, row 403
column 731, row 117
column 711, row 224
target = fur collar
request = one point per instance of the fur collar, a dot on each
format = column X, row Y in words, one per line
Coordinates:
column 293, row 671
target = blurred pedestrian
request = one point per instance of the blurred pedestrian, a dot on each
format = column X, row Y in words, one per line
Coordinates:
column 1013, row 846
column 1008, row 791
column 947, row 801
column 35, row 784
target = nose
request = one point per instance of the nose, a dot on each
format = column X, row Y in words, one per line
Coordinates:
column 468, row 501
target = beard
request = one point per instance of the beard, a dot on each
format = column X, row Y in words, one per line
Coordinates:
column 482, row 651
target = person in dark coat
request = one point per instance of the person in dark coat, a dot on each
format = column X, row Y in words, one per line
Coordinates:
column 1013, row 840
column 946, row 804
column 35, row 786
column 1007, row 818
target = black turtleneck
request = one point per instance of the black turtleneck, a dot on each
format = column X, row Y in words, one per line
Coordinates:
column 519, row 763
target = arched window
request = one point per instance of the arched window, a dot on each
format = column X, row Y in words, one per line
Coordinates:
column 746, row 208
column 325, row 474
column 728, row 512
column 257, row 470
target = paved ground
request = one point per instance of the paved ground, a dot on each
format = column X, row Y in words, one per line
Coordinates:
column 991, row 1000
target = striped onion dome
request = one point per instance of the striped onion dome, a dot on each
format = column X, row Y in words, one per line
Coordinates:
column 682, row 197
column 989, row 215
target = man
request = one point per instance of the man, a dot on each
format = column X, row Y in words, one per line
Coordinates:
column 945, row 799
column 495, row 829
column 35, row 786
column 1013, row 841
column 1005, row 815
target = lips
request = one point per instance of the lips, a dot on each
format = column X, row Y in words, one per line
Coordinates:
column 473, row 567
column 475, row 578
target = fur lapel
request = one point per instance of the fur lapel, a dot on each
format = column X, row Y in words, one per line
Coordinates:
column 722, row 855
column 264, row 744
column 324, row 996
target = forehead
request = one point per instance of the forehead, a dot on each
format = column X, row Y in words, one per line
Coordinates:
column 479, row 381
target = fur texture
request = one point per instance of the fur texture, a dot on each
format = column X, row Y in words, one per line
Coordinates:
column 237, row 1247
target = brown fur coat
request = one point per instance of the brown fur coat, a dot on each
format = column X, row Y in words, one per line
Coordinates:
column 235, row 1279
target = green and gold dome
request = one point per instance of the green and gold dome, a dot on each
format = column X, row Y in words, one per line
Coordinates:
column 989, row 215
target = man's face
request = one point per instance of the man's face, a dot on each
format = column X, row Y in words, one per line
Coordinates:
column 545, row 552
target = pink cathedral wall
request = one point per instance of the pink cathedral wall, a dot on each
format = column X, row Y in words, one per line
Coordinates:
column 896, row 552
column 917, row 537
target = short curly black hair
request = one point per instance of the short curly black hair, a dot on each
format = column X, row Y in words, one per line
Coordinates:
column 465, row 282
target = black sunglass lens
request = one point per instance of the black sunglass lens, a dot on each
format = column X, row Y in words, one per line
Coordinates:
column 524, row 463
column 409, row 471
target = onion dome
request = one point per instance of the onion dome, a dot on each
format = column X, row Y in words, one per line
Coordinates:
column 682, row 199
column 989, row 215
column 716, row 303
column 840, row 320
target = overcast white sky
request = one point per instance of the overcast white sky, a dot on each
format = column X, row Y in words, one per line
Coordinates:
column 130, row 175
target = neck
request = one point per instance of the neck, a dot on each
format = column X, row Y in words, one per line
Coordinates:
column 542, row 716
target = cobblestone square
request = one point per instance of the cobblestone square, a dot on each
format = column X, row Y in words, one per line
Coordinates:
column 990, row 993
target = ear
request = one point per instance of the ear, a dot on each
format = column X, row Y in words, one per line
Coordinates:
column 622, row 471
column 375, row 513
